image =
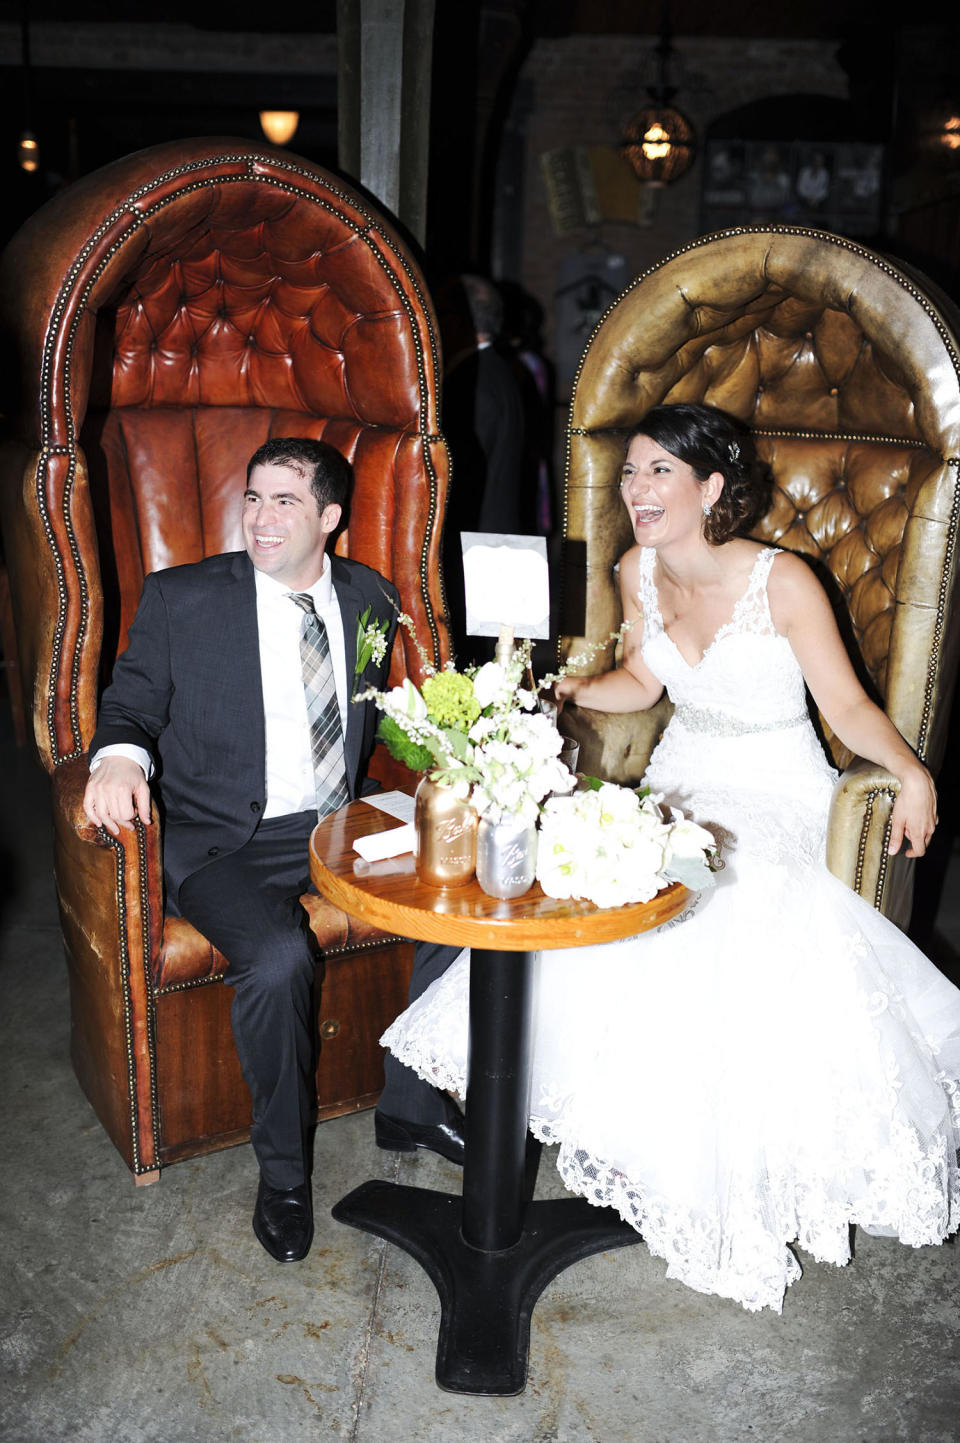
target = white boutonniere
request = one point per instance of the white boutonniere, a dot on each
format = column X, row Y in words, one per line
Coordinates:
column 371, row 641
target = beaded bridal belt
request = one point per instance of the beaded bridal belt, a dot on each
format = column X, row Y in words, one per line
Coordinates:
column 720, row 724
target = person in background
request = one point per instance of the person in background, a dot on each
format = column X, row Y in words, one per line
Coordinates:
column 483, row 422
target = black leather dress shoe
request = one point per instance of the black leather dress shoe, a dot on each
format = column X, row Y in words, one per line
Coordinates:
column 446, row 1138
column 283, row 1221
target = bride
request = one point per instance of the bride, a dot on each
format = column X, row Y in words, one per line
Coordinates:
column 784, row 1063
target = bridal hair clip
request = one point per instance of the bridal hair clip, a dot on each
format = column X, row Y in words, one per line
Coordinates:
column 734, row 450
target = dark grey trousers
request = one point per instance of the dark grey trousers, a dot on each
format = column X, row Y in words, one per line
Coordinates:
column 247, row 905
column 405, row 1095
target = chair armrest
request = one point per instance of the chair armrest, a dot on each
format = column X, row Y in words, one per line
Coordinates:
column 858, row 833
column 615, row 745
column 106, row 885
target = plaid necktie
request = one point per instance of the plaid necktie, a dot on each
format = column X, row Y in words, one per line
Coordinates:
column 323, row 711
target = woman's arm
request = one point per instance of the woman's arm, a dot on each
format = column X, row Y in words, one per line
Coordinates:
column 801, row 612
column 631, row 686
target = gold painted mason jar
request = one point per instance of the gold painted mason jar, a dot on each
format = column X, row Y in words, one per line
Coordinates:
column 445, row 844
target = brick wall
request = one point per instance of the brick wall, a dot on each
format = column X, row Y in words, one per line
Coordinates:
column 576, row 91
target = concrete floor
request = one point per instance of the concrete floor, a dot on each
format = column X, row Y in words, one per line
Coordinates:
column 152, row 1315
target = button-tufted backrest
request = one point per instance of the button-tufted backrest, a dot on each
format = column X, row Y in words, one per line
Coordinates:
column 173, row 312
column 848, row 371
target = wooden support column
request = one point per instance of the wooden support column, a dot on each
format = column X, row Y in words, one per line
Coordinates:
column 385, row 58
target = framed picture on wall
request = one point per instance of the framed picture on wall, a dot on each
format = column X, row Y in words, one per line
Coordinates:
column 834, row 185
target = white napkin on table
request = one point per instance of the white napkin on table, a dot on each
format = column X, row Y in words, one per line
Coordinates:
column 377, row 845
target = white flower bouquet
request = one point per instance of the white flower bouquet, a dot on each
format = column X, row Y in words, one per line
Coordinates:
column 612, row 846
column 481, row 733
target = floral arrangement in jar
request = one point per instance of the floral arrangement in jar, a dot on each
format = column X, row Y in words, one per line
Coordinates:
column 490, row 751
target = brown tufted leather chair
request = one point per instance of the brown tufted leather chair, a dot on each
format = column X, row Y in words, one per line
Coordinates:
column 170, row 313
column 848, row 370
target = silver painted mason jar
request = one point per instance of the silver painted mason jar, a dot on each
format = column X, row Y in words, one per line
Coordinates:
column 506, row 856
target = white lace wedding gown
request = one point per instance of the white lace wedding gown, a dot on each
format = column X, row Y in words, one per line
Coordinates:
column 776, row 1065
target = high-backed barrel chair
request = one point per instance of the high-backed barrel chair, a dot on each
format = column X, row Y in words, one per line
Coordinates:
column 167, row 315
column 847, row 368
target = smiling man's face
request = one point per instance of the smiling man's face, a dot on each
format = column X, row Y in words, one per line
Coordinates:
column 283, row 532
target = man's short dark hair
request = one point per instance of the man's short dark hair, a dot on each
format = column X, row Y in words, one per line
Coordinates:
column 325, row 469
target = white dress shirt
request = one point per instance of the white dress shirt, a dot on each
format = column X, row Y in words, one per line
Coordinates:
column 289, row 780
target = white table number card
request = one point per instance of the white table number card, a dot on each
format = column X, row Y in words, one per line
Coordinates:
column 506, row 583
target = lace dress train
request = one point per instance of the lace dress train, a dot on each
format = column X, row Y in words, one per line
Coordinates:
column 778, row 1064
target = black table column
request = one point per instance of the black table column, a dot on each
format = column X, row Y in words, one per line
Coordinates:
column 489, row 1255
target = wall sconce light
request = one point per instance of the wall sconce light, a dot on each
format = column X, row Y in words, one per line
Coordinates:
column 279, row 126
column 28, row 152
column 659, row 142
column 950, row 135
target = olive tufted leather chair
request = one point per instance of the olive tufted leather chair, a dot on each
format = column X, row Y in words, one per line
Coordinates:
column 847, row 368
column 167, row 315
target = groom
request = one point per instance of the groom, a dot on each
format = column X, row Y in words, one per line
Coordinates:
column 233, row 696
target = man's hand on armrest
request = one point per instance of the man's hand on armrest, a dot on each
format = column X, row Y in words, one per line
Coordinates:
column 116, row 794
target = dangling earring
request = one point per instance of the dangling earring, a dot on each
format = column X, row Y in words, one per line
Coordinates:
column 708, row 509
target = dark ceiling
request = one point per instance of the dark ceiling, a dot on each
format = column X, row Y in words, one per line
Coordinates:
column 85, row 117
column 814, row 19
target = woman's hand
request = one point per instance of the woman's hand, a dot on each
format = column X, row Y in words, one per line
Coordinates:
column 914, row 812
column 565, row 690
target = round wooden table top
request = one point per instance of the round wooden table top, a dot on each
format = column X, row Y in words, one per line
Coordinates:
column 390, row 896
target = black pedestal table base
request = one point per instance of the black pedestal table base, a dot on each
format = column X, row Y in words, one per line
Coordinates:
column 490, row 1253
column 486, row 1298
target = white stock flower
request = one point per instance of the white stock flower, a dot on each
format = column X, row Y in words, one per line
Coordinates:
column 686, row 839
column 490, row 682
column 538, row 733
column 405, row 700
column 616, row 804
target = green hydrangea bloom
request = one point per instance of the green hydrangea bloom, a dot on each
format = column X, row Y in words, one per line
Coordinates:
column 450, row 700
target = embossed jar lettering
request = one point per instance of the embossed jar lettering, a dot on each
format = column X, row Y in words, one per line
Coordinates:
column 445, row 843
column 506, row 857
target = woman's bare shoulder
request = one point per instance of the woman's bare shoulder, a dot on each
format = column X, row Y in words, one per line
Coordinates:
column 630, row 561
column 793, row 590
column 790, row 573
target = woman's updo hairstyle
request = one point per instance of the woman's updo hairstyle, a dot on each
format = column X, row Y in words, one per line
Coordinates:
column 709, row 440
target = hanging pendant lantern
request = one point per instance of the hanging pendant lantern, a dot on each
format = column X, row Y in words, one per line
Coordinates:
column 659, row 142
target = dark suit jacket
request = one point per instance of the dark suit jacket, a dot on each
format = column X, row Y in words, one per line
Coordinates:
column 188, row 689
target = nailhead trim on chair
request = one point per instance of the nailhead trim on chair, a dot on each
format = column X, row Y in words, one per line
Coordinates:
column 787, row 435
column 325, row 952
column 851, row 436
column 132, row 1085
column 941, row 617
column 872, row 798
column 151, row 1009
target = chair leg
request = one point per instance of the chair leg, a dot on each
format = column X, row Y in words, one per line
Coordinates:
column 144, row 1179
